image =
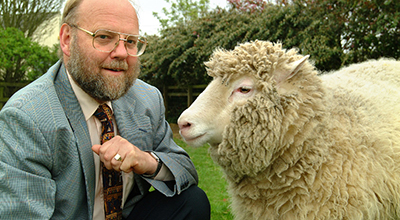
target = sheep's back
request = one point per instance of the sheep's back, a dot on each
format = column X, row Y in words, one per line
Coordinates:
column 364, row 117
column 362, row 134
column 369, row 90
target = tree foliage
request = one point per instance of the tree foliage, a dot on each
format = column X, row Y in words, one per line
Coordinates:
column 334, row 33
column 177, row 56
column 249, row 6
column 182, row 11
column 366, row 29
column 28, row 15
column 22, row 60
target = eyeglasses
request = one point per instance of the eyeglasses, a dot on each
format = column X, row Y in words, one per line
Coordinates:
column 106, row 41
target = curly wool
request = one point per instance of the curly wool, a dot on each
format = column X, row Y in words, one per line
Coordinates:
column 258, row 59
column 312, row 147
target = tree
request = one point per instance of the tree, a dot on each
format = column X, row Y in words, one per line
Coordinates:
column 372, row 30
column 182, row 11
column 249, row 6
column 22, row 60
column 360, row 30
column 28, row 15
column 177, row 57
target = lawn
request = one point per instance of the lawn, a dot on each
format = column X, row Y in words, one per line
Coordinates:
column 211, row 180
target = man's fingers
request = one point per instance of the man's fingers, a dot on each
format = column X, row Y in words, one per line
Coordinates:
column 96, row 148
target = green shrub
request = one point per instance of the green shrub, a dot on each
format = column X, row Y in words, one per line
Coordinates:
column 21, row 59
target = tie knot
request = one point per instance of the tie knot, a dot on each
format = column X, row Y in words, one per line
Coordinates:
column 103, row 113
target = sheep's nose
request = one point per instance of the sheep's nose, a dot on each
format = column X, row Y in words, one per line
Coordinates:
column 183, row 124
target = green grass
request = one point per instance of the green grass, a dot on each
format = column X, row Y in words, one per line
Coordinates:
column 211, row 180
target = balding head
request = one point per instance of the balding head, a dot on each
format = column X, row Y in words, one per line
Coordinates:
column 70, row 13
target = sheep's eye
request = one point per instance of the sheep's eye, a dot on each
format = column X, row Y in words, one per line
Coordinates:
column 244, row 90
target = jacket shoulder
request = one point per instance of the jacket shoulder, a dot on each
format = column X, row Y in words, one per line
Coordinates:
column 38, row 93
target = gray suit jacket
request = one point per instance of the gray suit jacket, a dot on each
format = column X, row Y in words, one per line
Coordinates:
column 46, row 161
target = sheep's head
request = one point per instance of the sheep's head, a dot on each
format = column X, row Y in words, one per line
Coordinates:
column 214, row 105
column 244, row 107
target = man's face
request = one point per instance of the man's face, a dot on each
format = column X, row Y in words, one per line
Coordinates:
column 104, row 76
column 86, row 70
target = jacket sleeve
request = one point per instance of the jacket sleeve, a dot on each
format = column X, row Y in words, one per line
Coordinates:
column 175, row 159
column 172, row 155
column 141, row 120
column 27, row 190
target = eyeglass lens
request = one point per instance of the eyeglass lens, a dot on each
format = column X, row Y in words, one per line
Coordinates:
column 106, row 41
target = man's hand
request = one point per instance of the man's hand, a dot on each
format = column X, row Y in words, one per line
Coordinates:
column 132, row 158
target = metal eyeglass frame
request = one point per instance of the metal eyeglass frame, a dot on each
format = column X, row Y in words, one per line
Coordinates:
column 123, row 39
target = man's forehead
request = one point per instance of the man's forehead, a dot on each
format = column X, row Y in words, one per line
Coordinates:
column 119, row 16
column 122, row 7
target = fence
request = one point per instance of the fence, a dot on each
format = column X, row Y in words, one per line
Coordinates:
column 190, row 93
column 7, row 89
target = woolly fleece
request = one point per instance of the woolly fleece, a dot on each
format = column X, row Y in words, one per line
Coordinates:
column 313, row 146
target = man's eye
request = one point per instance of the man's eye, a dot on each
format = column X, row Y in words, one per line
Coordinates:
column 103, row 37
column 131, row 41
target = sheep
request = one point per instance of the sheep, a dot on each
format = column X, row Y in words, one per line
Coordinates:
column 296, row 144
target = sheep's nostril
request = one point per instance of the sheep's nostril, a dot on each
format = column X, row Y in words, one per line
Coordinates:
column 184, row 125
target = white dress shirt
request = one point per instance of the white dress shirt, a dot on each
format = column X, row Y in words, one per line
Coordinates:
column 89, row 106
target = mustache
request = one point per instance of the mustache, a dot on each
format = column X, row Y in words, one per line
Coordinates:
column 116, row 65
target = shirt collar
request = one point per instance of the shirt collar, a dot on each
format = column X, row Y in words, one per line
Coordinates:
column 87, row 103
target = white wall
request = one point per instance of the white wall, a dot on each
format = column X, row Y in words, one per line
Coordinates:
column 52, row 37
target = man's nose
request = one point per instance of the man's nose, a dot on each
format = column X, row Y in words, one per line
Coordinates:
column 120, row 50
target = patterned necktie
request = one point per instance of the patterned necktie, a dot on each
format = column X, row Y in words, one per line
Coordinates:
column 112, row 180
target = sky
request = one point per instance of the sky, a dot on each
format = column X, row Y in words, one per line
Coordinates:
column 149, row 24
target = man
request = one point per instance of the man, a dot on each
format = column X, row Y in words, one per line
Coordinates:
column 66, row 138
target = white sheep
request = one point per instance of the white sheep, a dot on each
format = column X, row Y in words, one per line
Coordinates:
column 297, row 145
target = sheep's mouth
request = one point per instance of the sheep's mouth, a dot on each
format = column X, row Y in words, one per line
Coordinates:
column 191, row 139
column 198, row 140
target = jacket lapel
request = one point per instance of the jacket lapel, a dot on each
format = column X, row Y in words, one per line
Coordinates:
column 130, row 124
column 77, row 122
column 124, row 112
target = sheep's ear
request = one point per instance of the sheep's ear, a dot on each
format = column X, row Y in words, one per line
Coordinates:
column 282, row 75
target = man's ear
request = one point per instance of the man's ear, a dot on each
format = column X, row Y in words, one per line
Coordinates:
column 65, row 39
